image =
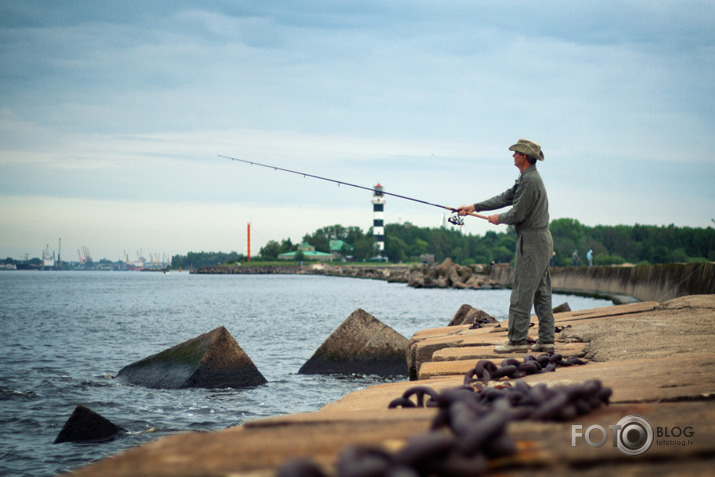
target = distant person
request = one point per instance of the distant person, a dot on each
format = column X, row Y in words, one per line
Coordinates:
column 529, row 214
column 553, row 259
column 589, row 257
column 574, row 258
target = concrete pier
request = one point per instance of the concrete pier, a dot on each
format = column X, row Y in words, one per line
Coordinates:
column 650, row 282
column 656, row 356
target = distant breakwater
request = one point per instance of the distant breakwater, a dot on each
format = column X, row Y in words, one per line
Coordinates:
column 378, row 272
column 649, row 282
column 444, row 275
column 250, row 270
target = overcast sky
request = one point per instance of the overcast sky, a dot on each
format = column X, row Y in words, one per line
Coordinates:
column 113, row 116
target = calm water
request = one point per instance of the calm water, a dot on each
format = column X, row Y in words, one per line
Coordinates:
column 65, row 335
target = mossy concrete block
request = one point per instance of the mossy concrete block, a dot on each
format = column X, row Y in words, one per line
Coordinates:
column 363, row 345
column 562, row 308
column 468, row 315
column 211, row 360
column 85, row 426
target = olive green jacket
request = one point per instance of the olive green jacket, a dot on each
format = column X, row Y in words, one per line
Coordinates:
column 530, row 205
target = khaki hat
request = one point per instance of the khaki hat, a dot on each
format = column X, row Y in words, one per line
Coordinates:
column 530, row 148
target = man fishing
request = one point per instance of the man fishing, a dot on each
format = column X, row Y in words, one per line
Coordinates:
column 529, row 214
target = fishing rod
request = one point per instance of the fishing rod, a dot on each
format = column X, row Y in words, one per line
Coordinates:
column 455, row 219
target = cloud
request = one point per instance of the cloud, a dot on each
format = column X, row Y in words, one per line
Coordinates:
column 118, row 104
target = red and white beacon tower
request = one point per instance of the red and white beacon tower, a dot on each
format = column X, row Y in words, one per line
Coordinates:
column 378, row 220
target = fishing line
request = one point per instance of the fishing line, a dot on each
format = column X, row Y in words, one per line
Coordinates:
column 455, row 219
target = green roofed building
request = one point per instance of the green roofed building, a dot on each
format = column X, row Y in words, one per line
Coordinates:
column 340, row 250
column 309, row 254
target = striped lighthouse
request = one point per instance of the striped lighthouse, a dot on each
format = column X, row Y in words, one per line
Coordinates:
column 378, row 220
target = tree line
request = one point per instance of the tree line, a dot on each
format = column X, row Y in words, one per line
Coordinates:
column 205, row 259
column 610, row 245
column 638, row 244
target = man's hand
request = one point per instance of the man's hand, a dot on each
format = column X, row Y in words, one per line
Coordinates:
column 465, row 209
column 494, row 219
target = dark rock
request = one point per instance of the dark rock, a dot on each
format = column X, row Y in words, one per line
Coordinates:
column 85, row 426
column 442, row 269
column 428, row 282
column 211, row 360
column 457, row 275
column 448, row 275
column 460, row 318
column 562, row 308
column 468, row 315
column 361, row 344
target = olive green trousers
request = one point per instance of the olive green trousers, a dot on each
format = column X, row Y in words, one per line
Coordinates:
column 532, row 286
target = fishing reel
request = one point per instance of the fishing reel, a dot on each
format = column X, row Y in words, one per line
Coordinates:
column 456, row 220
